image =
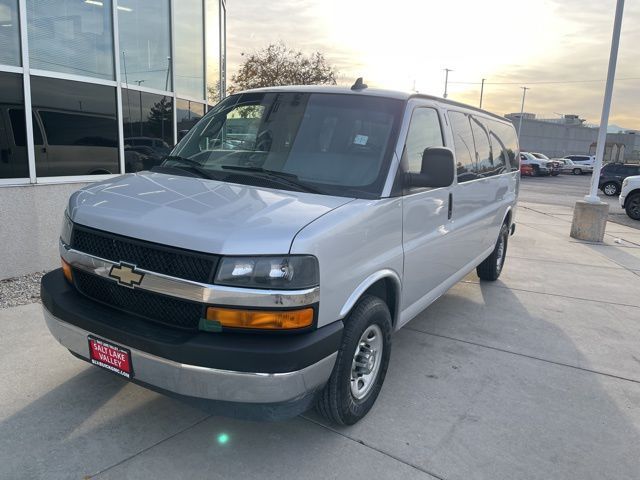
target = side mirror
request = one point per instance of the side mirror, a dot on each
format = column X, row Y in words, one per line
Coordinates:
column 437, row 169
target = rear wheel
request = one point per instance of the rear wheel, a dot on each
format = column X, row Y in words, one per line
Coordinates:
column 361, row 365
column 577, row 171
column 632, row 206
column 491, row 268
column 611, row 189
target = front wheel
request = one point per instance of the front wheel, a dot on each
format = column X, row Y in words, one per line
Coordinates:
column 491, row 267
column 577, row 171
column 361, row 365
column 610, row 189
column 632, row 206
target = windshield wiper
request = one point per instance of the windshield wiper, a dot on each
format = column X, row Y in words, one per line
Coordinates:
column 282, row 177
column 185, row 164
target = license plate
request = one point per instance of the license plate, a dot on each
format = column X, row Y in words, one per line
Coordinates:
column 112, row 357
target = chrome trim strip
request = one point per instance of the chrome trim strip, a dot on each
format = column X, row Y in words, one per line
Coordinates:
column 194, row 291
column 203, row 382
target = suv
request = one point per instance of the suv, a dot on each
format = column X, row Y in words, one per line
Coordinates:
column 540, row 166
column 582, row 160
column 630, row 196
column 269, row 274
column 612, row 175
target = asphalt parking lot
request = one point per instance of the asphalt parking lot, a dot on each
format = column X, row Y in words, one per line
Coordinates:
column 565, row 190
column 536, row 376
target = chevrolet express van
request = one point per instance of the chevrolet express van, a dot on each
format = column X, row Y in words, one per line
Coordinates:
column 267, row 270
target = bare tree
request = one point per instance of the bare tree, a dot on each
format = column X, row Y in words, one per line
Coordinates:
column 278, row 65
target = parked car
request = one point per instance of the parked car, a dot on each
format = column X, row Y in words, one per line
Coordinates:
column 630, row 196
column 586, row 160
column 612, row 175
column 556, row 166
column 270, row 277
column 567, row 166
column 539, row 166
column 526, row 170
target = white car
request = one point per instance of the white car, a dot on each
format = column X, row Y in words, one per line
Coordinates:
column 582, row 159
column 569, row 166
column 630, row 196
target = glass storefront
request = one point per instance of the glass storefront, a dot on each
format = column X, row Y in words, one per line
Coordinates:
column 9, row 33
column 148, row 128
column 69, row 36
column 153, row 66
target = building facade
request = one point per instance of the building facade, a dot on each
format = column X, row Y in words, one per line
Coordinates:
column 557, row 137
column 110, row 87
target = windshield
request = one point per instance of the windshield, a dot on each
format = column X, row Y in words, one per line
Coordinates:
column 541, row 156
column 326, row 143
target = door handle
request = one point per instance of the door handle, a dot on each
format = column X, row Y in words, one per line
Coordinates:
column 43, row 149
column 450, row 208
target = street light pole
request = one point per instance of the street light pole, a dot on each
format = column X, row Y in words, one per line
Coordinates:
column 481, row 91
column 524, row 94
column 606, row 107
column 446, row 81
column 590, row 215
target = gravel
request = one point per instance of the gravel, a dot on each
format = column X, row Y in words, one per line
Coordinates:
column 20, row 290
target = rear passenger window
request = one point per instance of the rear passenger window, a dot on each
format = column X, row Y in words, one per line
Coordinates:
column 506, row 137
column 424, row 132
column 463, row 144
column 483, row 148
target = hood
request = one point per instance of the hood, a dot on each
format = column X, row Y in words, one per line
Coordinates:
column 199, row 214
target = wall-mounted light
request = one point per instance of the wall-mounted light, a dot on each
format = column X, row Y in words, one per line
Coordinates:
column 125, row 9
column 94, row 2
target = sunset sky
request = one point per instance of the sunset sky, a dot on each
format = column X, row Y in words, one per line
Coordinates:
column 518, row 42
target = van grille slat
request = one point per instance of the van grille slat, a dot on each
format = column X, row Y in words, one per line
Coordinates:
column 151, row 306
column 171, row 261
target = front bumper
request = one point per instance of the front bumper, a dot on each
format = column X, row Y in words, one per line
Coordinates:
column 238, row 368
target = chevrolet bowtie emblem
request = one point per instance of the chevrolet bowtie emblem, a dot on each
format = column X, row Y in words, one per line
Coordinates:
column 126, row 274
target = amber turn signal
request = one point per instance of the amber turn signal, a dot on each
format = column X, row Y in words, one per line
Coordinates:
column 261, row 319
column 66, row 269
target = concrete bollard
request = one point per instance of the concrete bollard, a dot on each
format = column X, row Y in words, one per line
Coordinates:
column 589, row 221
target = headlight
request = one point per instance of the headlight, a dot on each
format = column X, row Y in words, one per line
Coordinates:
column 67, row 227
column 287, row 272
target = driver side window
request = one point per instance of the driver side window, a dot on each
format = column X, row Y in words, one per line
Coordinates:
column 424, row 132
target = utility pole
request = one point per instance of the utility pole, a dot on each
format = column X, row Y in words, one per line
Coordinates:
column 590, row 216
column 481, row 91
column 446, row 81
column 606, row 107
column 524, row 94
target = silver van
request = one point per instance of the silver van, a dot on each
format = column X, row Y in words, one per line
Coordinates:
column 265, row 264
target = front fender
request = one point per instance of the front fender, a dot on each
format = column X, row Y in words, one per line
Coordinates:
column 366, row 283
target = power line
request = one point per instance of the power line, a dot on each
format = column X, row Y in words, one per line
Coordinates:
column 558, row 82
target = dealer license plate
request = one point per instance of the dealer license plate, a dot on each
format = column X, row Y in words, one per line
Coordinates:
column 112, row 357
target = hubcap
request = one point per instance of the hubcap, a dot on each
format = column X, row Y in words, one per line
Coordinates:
column 610, row 189
column 366, row 362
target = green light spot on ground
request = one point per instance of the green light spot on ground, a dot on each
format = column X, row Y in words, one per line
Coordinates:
column 223, row 438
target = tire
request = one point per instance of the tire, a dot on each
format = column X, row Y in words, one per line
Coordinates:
column 577, row 171
column 610, row 189
column 632, row 206
column 536, row 171
column 337, row 401
column 491, row 267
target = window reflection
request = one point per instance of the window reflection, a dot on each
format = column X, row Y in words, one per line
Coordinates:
column 148, row 128
column 189, row 48
column 145, row 43
column 71, row 36
column 75, row 128
column 188, row 113
column 9, row 33
column 212, row 37
column 13, row 144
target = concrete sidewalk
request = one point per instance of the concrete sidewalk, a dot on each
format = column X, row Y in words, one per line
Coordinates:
column 536, row 376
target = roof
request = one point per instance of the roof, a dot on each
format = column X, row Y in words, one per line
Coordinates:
column 372, row 92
